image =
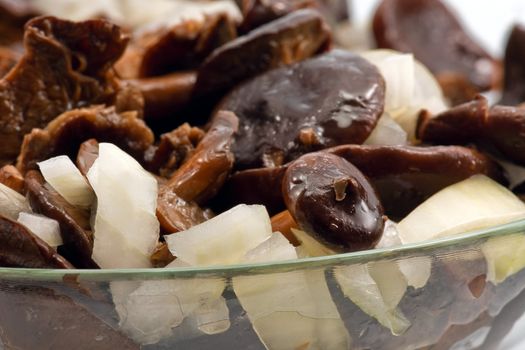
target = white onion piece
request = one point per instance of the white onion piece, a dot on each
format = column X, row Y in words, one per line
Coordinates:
column 76, row 10
column 387, row 132
column 410, row 87
column 12, row 203
column 224, row 239
column 504, row 256
column 45, row 228
column 291, row 309
column 390, row 236
column 310, row 246
column 475, row 203
column 126, row 228
column 66, row 179
column 377, row 288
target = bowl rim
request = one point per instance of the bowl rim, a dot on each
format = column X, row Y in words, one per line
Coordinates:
column 454, row 242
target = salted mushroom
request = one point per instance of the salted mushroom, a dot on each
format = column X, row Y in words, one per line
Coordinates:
column 179, row 47
column 499, row 127
column 287, row 112
column 65, row 133
column 286, row 40
column 333, row 201
column 429, row 30
column 514, row 78
column 200, row 177
column 19, row 247
column 74, row 222
column 32, row 94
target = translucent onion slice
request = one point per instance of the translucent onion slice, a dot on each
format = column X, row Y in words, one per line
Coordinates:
column 475, row 203
column 45, row 228
column 224, row 239
column 515, row 173
column 125, row 226
column 377, row 288
column 289, row 310
column 310, row 246
column 505, row 256
column 62, row 174
column 12, row 203
column 387, row 132
column 410, row 87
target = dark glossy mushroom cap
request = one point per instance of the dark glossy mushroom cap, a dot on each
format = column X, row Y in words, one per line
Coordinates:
column 514, row 79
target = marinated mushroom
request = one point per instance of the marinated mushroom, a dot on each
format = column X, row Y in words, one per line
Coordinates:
column 12, row 178
column 499, row 127
column 256, row 13
column 405, row 176
column 65, row 133
column 201, row 176
column 179, row 47
column 19, row 247
column 87, row 154
column 65, row 65
column 333, row 201
column 13, row 16
column 8, row 59
column 514, row 79
column 289, row 39
column 434, row 35
column 74, row 222
column 286, row 112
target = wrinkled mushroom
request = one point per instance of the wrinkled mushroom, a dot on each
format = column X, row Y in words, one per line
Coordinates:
column 404, row 176
column 65, row 65
column 499, row 127
column 74, row 222
column 178, row 47
column 289, row 39
column 201, row 176
column 514, row 79
column 66, row 132
column 12, row 178
column 333, row 201
column 289, row 111
column 256, row 13
column 174, row 149
column 87, row 154
column 19, row 247
column 434, row 35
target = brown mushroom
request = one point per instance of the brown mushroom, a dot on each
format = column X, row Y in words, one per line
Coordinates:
column 289, row 39
column 514, row 79
column 428, row 29
column 404, row 176
column 499, row 127
column 284, row 223
column 87, row 154
column 174, row 148
column 178, row 47
column 200, row 177
column 288, row 111
column 65, row 134
column 12, row 178
column 74, row 222
column 165, row 95
column 8, row 59
column 19, row 247
column 13, row 16
column 333, row 201
column 65, row 65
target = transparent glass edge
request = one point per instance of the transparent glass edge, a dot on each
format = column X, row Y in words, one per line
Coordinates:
column 419, row 248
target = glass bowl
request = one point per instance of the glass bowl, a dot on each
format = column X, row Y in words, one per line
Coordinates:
column 474, row 295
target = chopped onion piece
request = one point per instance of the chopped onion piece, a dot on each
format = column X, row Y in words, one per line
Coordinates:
column 464, row 206
column 310, row 246
column 505, row 256
column 390, row 236
column 12, row 203
column 387, row 132
column 66, row 179
column 410, row 87
column 416, row 270
column 377, row 288
column 224, row 239
column 290, row 309
column 45, row 228
column 126, row 228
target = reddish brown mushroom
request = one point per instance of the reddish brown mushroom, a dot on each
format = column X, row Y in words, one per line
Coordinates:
column 428, row 29
column 514, row 79
column 333, row 201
